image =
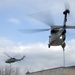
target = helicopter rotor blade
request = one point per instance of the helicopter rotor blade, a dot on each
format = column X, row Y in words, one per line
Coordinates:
column 33, row 30
column 7, row 55
column 44, row 17
column 67, row 6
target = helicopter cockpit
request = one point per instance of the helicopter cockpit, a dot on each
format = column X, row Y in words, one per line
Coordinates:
column 53, row 31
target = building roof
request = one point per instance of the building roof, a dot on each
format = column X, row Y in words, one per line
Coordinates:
column 68, row 67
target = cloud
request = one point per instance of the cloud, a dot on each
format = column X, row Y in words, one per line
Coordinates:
column 37, row 54
column 25, row 7
column 14, row 20
column 34, row 5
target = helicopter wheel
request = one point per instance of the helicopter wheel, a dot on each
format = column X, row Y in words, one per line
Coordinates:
column 63, row 45
column 48, row 45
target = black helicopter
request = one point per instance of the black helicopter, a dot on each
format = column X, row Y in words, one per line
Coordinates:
column 57, row 34
column 12, row 59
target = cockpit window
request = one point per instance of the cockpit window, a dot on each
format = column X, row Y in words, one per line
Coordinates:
column 54, row 31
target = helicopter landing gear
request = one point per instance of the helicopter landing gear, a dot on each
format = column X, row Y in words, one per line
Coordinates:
column 63, row 45
column 48, row 45
column 49, row 41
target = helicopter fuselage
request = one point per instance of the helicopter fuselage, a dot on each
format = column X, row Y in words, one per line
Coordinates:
column 11, row 60
column 57, row 37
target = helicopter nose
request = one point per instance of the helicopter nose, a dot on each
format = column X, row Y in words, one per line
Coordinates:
column 6, row 61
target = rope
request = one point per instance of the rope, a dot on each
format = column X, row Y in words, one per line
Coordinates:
column 63, row 57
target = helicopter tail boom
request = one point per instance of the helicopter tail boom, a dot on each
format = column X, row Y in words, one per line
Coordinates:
column 22, row 58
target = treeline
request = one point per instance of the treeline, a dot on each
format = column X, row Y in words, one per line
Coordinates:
column 9, row 70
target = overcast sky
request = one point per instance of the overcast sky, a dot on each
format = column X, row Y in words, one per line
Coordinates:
column 14, row 15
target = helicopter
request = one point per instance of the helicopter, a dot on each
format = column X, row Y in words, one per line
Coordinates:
column 58, row 33
column 12, row 59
